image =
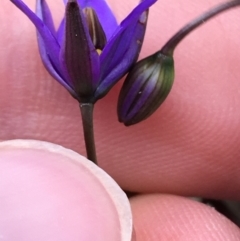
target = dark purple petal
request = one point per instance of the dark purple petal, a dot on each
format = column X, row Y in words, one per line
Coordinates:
column 123, row 49
column 44, row 13
column 78, row 54
column 104, row 13
column 51, row 45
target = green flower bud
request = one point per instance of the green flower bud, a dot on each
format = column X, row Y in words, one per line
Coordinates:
column 145, row 88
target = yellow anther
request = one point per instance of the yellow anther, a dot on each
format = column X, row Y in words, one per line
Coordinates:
column 99, row 51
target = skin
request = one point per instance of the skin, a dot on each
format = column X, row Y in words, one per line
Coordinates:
column 189, row 147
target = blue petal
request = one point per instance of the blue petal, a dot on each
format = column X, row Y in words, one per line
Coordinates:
column 44, row 13
column 123, row 49
column 48, row 65
column 104, row 13
column 51, row 45
column 60, row 32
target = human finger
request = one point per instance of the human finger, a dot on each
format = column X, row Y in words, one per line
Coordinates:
column 164, row 217
column 190, row 146
column 52, row 193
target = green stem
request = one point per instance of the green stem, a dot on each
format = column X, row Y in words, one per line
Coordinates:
column 169, row 47
column 87, row 122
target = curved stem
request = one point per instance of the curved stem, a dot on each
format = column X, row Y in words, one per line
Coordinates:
column 169, row 47
column 87, row 122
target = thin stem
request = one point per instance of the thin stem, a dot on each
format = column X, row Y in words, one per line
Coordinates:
column 87, row 122
column 169, row 47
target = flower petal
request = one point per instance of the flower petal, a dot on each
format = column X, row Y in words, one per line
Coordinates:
column 51, row 45
column 123, row 49
column 78, row 54
column 60, row 32
column 48, row 65
column 44, row 13
column 104, row 13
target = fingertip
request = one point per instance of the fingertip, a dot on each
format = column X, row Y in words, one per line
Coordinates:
column 52, row 193
column 166, row 217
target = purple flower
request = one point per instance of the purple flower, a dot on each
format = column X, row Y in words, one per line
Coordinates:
column 89, row 52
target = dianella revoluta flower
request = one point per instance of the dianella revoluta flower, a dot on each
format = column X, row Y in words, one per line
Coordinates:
column 89, row 52
column 145, row 88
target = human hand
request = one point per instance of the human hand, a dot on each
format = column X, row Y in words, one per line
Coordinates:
column 189, row 147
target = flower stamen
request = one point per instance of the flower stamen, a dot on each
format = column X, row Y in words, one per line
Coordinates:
column 96, row 31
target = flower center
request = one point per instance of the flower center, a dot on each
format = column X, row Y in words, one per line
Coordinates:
column 95, row 29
